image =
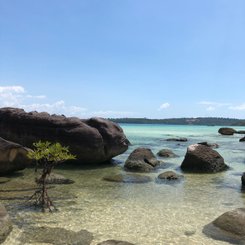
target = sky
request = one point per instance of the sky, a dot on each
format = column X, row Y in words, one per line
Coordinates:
column 124, row 58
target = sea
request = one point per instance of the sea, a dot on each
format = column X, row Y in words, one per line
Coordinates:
column 150, row 213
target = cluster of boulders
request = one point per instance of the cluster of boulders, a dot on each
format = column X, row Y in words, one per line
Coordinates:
column 231, row 131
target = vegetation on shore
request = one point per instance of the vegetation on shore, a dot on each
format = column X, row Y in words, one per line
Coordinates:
column 209, row 121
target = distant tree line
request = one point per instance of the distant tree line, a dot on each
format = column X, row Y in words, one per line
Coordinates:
column 209, row 121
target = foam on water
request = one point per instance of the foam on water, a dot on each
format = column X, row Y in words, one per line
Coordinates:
column 149, row 213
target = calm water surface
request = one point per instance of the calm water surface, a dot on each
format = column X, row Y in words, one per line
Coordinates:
column 143, row 214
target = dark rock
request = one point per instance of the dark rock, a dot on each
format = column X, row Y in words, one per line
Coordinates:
column 5, row 224
column 166, row 153
column 94, row 140
column 243, row 179
column 230, row 227
column 56, row 179
column 242, row 139
column 13, row 157
column 141, row 160
column 128, row 178
column 240, row 132
column 227, row 131
column 203, row 159
column 114, row 242
column 170, row 175
column 177, row 139
column 56, row 236
column 212, row 145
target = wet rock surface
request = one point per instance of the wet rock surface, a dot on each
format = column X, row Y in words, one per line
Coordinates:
column 166, row 153
column 227, row 131
column 170, row 176
column 181, row 139
column 203, row 159
column 141, row 160
column 128, row 178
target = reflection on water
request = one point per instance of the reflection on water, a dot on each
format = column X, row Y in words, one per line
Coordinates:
column 148, row 213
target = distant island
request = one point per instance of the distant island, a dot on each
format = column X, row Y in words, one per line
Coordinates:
column 209, row 121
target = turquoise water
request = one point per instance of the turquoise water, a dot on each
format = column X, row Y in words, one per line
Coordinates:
column 149, row 213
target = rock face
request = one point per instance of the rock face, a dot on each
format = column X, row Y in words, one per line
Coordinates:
column 227, row 131
column 166, row 153
column 230, row 227
column 92, row 141
column 243, row 179
column 141, row 160
column 242, row 139
column 13, row 157
column 128, row 178
column 203, row 159
column 5, row 224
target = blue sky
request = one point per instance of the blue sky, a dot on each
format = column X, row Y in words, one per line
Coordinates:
column 127, row 58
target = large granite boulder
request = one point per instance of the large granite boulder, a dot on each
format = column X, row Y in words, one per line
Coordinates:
column 13, row 157
column 203, row 159
column 5, row 224
column 141, row 160
column 230, row 227
column 92, row 141
column 227, row 131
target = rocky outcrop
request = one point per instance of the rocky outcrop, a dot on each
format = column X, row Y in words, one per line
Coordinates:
column 92, row 141
column 203, row 159
column 114, row 242
column 177, row 139
column 13, row 157
column 212, row 145
column 57, row 179
column 141, row 160
column 5, row 224
column 243, row 179
column 128, row 178
column 166, row 153
column 170, row 175
column 230, row 227
column 242, row 139
column 227, row 131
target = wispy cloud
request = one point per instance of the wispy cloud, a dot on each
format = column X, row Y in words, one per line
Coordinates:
column 238, row 107
column 113, row 114
column 212, row 105
column 164, row 106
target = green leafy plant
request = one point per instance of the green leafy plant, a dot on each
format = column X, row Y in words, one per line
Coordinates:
column 47, row 155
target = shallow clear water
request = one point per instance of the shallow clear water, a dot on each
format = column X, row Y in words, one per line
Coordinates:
column 149, row 213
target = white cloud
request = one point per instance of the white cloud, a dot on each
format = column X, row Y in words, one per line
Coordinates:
column 36, row 96
column 113, row 114
column 212, row 105
column 164, row 106
column 238, row 107
column 11, row 95
column 11, row 89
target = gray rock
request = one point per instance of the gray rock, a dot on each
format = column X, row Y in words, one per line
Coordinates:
column 95, row 140
column 13, row 157
column 227, row 131
column 170, row 175
column 166, row 153
column 128, row 178
column 203, row 159
column 114, row 242
column 141, row 160
column 240, row 132
column 242, row 139
column 56, row 236
column 5, row 224
column 229, row 227
column 177, row 139
column 56, row 179
column 212, row 145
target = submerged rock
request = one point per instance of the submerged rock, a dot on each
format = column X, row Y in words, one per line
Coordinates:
column 230, row 227
column 5, row 224
column 240, row 132
column 141, row 160
column 212, row 145
column 203, row 159
column 56, row 179
column 56, row 236
column 243, row 179
column 177, row 139
column 114, row 242
column 242, row 139
column 169, row 175
column 128, row 178
column 94, row 140
column 166, row 153
column 227, row 131
column 13, row 157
